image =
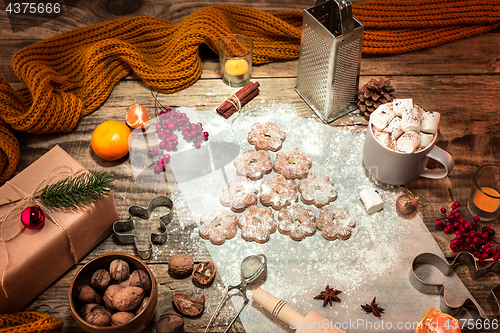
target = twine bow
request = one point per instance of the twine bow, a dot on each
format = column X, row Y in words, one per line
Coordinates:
column 235, row 101
column 29, row 200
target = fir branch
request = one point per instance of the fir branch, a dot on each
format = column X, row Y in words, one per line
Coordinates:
column 81, row 190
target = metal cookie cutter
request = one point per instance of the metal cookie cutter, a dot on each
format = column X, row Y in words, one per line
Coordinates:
column 124, row 229
column 253, row 269
column 464, row 258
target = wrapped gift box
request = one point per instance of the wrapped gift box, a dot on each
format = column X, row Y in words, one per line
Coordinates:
column 38, row 257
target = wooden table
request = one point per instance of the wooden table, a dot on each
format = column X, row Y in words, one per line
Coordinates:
column 461, row 80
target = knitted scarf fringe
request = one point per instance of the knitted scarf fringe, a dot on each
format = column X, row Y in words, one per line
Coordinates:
column 69, row 76
column 29, row 322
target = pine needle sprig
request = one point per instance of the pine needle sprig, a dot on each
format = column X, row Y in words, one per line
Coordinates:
column 81, row 190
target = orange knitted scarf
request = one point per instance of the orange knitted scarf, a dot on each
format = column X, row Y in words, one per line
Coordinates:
column 70, row 75
column 29, row 322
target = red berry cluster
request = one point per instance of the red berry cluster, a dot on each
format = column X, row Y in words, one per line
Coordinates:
column 468, row 236
column 168, row 122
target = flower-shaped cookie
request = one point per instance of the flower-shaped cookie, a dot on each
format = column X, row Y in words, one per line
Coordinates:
column 257, row 224
column 266, row 136
column 218, row 225
column 335, row 222
column 239, row 194
column 317, row 189
column 296, row 221
column 253, row 164
column 292, row 164
column 278, row 192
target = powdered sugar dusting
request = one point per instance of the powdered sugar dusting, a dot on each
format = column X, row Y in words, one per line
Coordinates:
column 372, row 262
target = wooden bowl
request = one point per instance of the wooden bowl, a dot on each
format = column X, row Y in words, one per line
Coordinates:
column 140, row 321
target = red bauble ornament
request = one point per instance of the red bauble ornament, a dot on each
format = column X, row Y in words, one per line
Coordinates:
column 33, row 217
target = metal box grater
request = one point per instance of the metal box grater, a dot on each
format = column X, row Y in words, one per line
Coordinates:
column 330, row 59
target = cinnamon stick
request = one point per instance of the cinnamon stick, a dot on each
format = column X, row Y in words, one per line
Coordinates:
column 245, row 100
column 246, row 90
column 250, row 89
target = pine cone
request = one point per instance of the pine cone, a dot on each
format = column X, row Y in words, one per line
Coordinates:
column 373, row 94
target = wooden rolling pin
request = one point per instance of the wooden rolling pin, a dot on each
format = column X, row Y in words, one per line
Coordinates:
column 311, row 323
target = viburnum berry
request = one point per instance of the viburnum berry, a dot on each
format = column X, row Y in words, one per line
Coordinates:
column 468, row 235
column 170, row 121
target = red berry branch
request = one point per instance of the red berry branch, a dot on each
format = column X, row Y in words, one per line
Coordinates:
column 468, row 236
column 169, row 121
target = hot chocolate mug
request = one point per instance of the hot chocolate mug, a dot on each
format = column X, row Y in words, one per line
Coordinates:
column 397, row 168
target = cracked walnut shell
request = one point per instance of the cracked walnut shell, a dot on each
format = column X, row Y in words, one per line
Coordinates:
column 204, row 273
column 188, row 306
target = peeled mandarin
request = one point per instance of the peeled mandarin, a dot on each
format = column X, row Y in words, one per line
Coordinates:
column 435, row 321
column 137, row 116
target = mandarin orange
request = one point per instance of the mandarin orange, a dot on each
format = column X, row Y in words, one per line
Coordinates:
column 435, row 321
column 111, row 140
column 137, row 116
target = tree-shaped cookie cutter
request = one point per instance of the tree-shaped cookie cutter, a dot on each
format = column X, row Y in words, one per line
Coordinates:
column 124, row 229
column 463, row 258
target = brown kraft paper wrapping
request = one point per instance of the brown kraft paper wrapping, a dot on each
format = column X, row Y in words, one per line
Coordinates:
column 36, row 258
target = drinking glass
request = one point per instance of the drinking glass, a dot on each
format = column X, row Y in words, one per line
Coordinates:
column 235, row 58
column 484, row 197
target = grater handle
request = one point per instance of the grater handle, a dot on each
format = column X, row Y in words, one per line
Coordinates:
column 345, row 16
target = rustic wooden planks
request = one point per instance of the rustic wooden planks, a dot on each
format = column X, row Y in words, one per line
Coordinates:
column 459, row 79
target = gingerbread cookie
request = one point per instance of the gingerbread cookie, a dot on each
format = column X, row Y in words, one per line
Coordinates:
column 266, row 136
column 278, row 192
column 335, row 222
column 257, row 224
column 317, row 189
column 218, row 225
column 296, row 221
column 239, row 194
column 253, row 164
column 292, row 164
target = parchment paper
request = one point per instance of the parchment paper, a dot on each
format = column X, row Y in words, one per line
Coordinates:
column 374, row 262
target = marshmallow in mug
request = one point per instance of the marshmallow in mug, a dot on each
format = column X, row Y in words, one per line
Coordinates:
column 399, row 105
column 399, row 117
column 395, row 128
column 425, row 140
column 382, row 116
column 430, row 122
column 408, row 142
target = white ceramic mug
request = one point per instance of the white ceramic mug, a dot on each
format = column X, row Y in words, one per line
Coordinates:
column 396, row 168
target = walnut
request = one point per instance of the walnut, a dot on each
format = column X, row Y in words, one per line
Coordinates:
column 170, row 322
column 180, row 265
column 127, row 299
column 204, row 273
column 100, row 280
column 87, row 308
column 140, row 279
column 109, row 294
column 188, row 306
column 97, row 316
column 119, row 318
column 86, row 294
column 119, row 270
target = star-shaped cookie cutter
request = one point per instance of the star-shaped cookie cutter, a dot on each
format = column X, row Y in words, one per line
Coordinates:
column 463, row 258
column 124, row 229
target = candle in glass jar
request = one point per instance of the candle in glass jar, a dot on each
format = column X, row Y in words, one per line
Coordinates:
column 487, row 203
column 236, row 66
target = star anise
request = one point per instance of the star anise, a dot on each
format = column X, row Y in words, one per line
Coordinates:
column 329, row 296
column 373, row 308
